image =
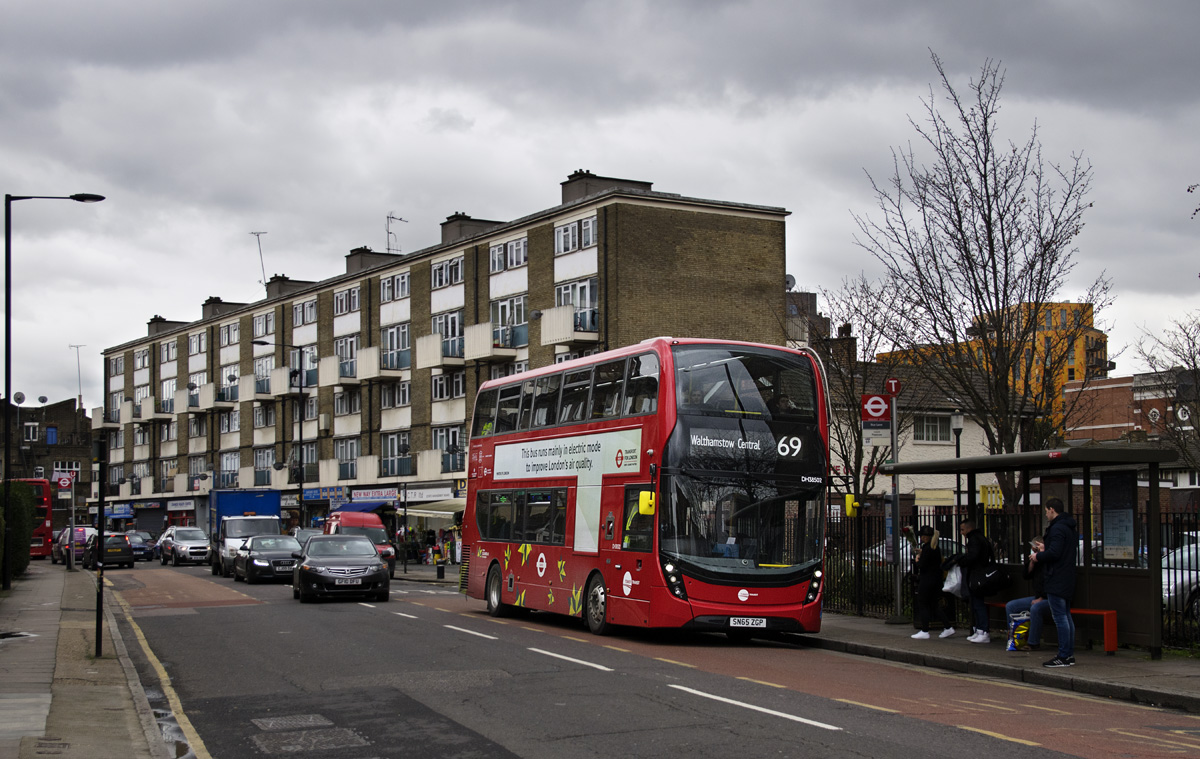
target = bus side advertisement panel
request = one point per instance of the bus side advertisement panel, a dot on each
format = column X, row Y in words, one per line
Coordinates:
column 587, row 458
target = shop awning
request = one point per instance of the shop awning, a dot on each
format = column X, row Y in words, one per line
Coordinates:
column 361, row 506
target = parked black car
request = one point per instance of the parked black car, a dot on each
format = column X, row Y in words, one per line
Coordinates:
column 302, row 534
column 336, row 565
column 117, row 551
column 265, row 557
column 178, row 545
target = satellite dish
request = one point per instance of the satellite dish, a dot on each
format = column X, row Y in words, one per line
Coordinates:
column 19, row 397
column 42, row 399
column 790, row 281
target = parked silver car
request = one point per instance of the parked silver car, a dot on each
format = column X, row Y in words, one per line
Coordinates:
column 180, row 545
column 1181, row 581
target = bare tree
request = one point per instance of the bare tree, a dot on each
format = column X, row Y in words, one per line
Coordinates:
column 1174, row 355
column 977, row 238
column 850, row 355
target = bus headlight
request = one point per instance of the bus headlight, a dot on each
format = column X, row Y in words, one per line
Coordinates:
column 674, row 578
column 814, row 587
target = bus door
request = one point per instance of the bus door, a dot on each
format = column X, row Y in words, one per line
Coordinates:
column 630, row 540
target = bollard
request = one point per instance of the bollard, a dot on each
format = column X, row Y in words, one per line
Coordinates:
column 441, row 570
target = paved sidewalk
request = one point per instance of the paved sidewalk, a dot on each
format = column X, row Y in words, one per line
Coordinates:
column 1173, row 681
column 56, row 697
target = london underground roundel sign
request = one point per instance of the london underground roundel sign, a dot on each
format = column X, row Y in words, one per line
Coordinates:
column 876, row 408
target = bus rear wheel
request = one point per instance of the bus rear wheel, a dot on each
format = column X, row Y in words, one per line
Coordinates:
column 596, row 610
column 492, row 593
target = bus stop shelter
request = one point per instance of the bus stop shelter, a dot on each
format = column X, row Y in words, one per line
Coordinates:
column 1119, row 523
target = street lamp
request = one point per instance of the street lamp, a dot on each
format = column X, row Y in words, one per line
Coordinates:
column 81, row 197
column 301, row 403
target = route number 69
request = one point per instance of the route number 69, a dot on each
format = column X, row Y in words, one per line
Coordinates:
column 789, row 446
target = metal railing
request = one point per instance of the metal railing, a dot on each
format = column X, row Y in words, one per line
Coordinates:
column 397, row 359
column 587, row 320
column 453, row 462
column 400, row 466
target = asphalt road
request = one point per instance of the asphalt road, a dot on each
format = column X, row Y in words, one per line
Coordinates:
column 255, row 673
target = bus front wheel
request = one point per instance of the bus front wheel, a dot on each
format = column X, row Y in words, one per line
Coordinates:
column 494, row 606
column 597, row 607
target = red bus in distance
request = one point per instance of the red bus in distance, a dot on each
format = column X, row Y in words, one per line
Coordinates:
column 43, row 530
column 674, row 483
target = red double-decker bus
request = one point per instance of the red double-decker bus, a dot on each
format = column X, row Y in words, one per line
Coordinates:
column 674, row 483
column 43, row 528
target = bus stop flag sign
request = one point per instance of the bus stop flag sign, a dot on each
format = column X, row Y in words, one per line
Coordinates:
column 876, row 419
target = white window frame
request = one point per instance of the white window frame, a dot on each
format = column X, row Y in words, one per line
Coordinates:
column 401, row 285
column 386, row 289
column 587, row 232
column 444, row 437
column 395, row 395
column 446, row 273
column 168, row 352
column 264, row 416
column 448, row 324
column 264, row 324
column 566, row 238
column 497, row 258
column 141, row 358
column 517, row 253
column 197, row 343
column 347, row 402
column 229, row 334
column 345, row 301
column 932, row 428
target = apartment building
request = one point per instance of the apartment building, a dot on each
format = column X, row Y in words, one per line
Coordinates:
column 357, row 389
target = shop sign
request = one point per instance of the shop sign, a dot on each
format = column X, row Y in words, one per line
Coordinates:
column 182, row 504
column 374, row 494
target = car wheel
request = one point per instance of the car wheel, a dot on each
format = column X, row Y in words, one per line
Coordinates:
column 383, row 596
column 53, row 558
column 216, row 570
column 494, row 606
column 236, row 577
column 250, row 579
column 596, row 610
column 1191, row 610
column 226, row 571
column 305, row 597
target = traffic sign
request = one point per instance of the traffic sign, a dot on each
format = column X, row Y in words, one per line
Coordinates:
column 64, row 482
column 891, row 386
column 876, row 408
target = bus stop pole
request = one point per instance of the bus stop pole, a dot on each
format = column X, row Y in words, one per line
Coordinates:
column 895, row 515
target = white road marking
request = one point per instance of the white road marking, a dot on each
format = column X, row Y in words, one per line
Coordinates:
column 470, row 632
column 369, row 606
column 752, row 707
column 406, row 616
column 600, row 667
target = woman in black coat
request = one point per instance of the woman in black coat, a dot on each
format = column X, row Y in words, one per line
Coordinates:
column 927, row 566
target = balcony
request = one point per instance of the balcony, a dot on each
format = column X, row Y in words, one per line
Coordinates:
column 486, row 342
column 105, row 420
column 399, row 466
column 376, row 363
column 152, row 408
column 213, row 398
column 166, row 484
column 348, row 470
column 262, row 386
column 568, row 325
column 336, row 371
column 434, row 351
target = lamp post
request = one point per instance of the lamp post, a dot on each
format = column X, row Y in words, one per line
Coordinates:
column 82, row 197
column 301, row 402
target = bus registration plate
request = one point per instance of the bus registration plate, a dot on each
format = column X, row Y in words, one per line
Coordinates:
column 747, row 622
column 348, row 581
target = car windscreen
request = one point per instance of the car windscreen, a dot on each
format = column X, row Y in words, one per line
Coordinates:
column 348, row 548
column 116, row 540
column 136, row 540
column 192, row 534
column 274, row 543
column 244, row 528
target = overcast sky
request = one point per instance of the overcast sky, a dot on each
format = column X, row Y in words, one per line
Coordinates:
column 313, row 121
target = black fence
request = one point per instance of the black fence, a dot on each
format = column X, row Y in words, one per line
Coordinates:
column 861, row 573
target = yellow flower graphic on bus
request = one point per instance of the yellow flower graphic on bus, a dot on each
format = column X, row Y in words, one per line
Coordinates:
column 521, row 598
column 562, row 570
column 550, row 597
column 507, row 555
column 576, row 607
column 524, row 551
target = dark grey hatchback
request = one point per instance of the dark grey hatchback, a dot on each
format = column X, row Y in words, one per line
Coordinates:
column 339, row 565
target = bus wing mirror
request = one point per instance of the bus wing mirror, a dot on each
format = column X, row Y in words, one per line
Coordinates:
column 646, row 503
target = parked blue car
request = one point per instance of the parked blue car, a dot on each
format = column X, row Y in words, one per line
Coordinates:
column 142, row 551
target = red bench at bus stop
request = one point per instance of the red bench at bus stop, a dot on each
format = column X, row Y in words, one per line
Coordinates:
column 1110, row 623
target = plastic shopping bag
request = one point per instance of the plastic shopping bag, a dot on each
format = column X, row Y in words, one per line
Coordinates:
column 954, row 582
column 1018, row 630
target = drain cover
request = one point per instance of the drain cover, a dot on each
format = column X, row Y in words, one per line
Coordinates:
column 293, row 722
column 308, row 740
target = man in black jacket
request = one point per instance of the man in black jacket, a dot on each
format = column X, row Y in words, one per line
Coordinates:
column 1058, row 562
column 973, row 561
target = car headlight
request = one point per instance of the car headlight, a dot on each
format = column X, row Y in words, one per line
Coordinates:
column 313, row 568
column 376, row 568
column 261, row 563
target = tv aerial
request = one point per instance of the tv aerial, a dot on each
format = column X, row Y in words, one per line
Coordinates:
column 390, row 234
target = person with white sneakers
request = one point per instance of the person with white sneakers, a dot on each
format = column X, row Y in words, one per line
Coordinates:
column 975, row 559
column 927, row 566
